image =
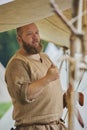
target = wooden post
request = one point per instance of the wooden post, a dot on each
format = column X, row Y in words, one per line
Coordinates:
column 77, row 53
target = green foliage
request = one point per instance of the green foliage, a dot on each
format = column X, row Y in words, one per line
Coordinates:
column 8, row 46
column 44, row 43
column 4, row 107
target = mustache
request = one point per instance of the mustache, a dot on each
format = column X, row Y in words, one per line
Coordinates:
column 35, row 40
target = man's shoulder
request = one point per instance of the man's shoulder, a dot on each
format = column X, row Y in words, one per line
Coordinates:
column 16, row 59
column 44, row 54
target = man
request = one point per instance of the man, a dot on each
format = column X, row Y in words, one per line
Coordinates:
column 34, row 84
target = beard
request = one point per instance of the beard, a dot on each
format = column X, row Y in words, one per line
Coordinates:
column 32, row 49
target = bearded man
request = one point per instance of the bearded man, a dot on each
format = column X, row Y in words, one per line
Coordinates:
column 34, row 84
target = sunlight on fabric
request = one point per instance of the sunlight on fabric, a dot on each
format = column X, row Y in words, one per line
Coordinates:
column 5, row 1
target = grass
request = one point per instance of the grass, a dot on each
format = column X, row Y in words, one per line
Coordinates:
column 4, row 107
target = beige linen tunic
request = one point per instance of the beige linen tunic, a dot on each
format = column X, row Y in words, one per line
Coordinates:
column 48, row 106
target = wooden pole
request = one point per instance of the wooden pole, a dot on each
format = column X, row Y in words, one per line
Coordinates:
column 77, row 49
column 85, row 29
column 85, row 16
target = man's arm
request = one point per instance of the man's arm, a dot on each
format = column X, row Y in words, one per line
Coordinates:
column 35, row 88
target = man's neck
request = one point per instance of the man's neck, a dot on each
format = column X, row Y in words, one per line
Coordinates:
column 23, row 52
column 32, row 56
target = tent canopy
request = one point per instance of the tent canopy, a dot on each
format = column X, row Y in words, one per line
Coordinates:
column 19, row 12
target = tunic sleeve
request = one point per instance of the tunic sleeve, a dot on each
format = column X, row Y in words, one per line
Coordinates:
column 18, row 78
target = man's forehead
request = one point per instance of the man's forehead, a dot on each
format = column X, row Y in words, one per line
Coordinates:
column 29, row 27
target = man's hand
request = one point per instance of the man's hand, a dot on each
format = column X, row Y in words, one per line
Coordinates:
column 52, row 73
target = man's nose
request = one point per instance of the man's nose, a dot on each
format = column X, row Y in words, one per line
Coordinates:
column 34, row 36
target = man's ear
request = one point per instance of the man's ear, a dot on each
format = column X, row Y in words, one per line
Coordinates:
column 19, row 40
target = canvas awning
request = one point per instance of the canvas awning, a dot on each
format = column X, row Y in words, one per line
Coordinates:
column 54, row 30
column 21, row 12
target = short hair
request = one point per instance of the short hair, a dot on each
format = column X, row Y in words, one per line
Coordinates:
column 20, row 31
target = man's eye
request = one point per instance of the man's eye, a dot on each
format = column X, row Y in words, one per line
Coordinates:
column 29, row 33
column 37, row 32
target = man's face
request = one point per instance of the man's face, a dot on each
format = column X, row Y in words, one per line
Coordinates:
column 31, row 49
column 31, row 39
